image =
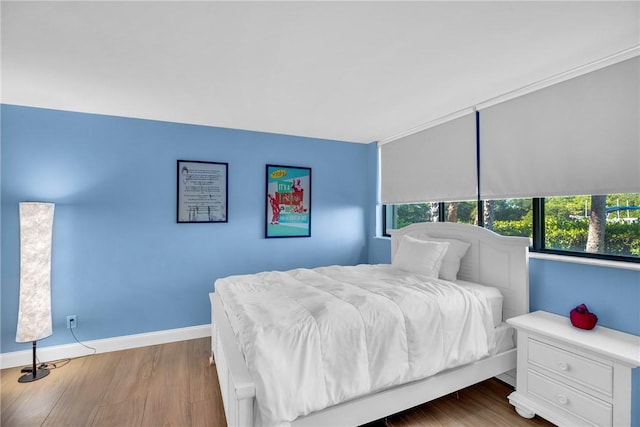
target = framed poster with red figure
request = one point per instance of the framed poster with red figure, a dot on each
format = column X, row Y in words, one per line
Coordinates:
column 288, row 201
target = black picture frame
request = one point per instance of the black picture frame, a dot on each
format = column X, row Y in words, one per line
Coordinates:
column 202, row 192
column 287, row 201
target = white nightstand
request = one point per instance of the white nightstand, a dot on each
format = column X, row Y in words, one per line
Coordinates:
column 570, row 376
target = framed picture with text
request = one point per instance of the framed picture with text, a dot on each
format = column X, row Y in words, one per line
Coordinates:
column 288, row 201
column 202, row 191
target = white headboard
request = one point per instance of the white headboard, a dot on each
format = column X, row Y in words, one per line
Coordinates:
column 492, row 259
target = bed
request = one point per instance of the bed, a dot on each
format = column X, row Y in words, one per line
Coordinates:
column 489, row 260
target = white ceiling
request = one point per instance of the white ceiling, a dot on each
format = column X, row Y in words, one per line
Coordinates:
column 353, row 71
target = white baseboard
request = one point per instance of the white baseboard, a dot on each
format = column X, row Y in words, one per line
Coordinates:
column 65, row 351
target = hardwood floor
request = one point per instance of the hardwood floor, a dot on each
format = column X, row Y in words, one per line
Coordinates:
column 174, row 385
column 483, row 404
column 170, row 384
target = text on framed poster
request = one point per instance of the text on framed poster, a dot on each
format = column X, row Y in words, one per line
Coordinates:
column 202, row 191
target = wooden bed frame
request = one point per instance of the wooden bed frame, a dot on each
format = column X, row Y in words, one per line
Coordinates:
column 492, row 260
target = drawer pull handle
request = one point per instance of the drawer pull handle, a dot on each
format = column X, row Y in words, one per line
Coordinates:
column 563, row 366
column 562, row 399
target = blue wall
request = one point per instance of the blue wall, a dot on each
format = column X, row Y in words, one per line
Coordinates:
column 121, row 263
column 612, row 293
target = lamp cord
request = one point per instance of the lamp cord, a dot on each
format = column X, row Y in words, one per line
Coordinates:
column 54, row 364
column 82, row 344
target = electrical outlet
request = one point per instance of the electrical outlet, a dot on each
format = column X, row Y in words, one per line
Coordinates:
column 72, row 321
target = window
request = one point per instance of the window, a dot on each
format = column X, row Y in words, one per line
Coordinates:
column 594, row 226
column 398, row 216
column 464, row 212
column 607, row 225
column 510, row 217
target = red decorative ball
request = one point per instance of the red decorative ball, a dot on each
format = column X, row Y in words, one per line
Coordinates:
column 582, row 318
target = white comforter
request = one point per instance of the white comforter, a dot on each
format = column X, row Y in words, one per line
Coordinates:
column 315, row 338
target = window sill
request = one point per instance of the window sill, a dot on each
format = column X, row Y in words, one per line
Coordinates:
column 589, row 261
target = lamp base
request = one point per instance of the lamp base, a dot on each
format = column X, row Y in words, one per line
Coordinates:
column 39, row 373
column 30, row 368
column 36, row 372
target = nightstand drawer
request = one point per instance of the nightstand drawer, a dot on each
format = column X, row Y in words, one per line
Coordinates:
column 582, row 370
column 575, row 403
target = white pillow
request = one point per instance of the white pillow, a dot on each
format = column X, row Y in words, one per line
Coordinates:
column 420, row 256
column 451, row 262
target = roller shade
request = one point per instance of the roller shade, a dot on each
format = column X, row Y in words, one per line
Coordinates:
column 581, row 136
column 436, row 164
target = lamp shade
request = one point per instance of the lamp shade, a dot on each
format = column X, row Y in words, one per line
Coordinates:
column 34, row 311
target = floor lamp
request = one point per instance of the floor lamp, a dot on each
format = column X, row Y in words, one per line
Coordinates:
column 34, row 311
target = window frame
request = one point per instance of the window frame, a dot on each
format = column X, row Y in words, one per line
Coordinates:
column 539, row 239
column 538, row 231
